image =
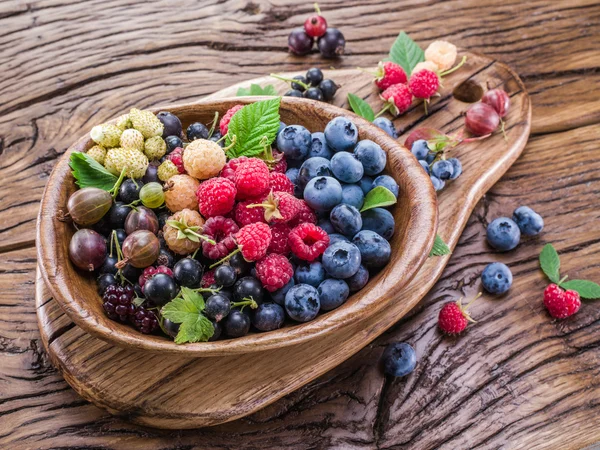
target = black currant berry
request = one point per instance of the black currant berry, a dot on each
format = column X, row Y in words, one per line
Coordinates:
column 314, row 93
column 328, row 88
column 160, row 289
column 314, row 76
column 129, row 191
column 225, row 276
column 217, row 307
column 237, row 324
column 173, row 142
column 197, row 130
column 248, row 287
column 105, row 280
column 172, row 124
column 293, row 93
column 188, row 272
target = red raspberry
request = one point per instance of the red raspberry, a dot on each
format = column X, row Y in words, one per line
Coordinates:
column 424, row 83
column 149, row 272
column 305, row 215
column 279, row 239
column 222, row 231
column 278, row 182
column 224, row 123
column 279, row 207
column 176, row 157
column 253, row 241
column 281, row 164
column 231, row 166
column 252, row 179
column 245, row 216
column 216, row 196
column 274, row 271
column 561, row 304
column 308, row 241
column 165, row 270
column 389, row 73
column 208, row 279
column 397, row 98
column 454, row 318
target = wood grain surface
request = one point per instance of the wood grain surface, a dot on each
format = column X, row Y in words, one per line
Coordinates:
column 515, row 380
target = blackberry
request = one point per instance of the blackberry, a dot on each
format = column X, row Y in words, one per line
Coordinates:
column 117, row 302
column 144, row 320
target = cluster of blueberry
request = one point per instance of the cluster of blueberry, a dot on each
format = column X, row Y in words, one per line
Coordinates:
column 439, row 170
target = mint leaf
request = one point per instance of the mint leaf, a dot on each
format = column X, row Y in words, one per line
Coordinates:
column 550, row 263
column 440, row 248
column 254, row 126
column 586, row 289
column 186, row 309
column 90, row 173
column 406, row 52
column 378, row 197
column 255, row 89
column 360, row 107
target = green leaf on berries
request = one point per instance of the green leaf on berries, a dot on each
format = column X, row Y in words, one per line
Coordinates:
column 378, row 197
column 90, row 173
column 440, row 248
column 406, row 53
column 254, row 127
column 360, row 107
column 256, row 89
column 186, row 309
column 586, row 289
column 550, row 263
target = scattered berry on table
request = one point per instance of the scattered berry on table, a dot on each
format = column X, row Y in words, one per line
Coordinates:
column 313, row 93
column 388, row 74
column 497, row 99
column 559, row 303
column 397, row 99
column 420, row 148
column 496, row 278
column 503, row 234
column 529, row 222
column 442, row 169
column 386, row 125
column 424, row 84
column 438, row 184
column 456, row 168
column 442, row 54
column 293, row 93
column 328, row 88
column 399, row 359
column 332, row 44
column 299, row 42
column 314, row 76
column 454, row 318
column 315, row 25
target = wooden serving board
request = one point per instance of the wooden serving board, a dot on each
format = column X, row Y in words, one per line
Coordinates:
column 175, row 392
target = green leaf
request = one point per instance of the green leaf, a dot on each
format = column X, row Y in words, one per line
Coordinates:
column 406, row 52
column 255, row 89
column 90, row 173
column 440, row 248
column 255, row 126
column 187, row 310
column 360, row 107
column 550, row 263
column 586, row 289
column 197, row 329
column 194, row 297
column 378, row 197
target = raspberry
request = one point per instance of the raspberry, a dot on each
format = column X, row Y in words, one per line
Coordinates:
column 279, row 239
column 305, row 215
column 424, row 83
column 224, row 123
column 155, row 148
column 187, row 220
column 150, row 271
column 308, row 241
column 231, row 166
column 166, row 170
column 279, row 207
column 429, row 65
column 397, row 98
column 220, row 230
column 216, row 197
column 98, row 153
column 281, row 165
column 208, row 279
column 278, row 182
column 144, row 320
column 132, row 139
column 253, row 241
column 106, row 135
column 454, row 318
column 176, row 157
column 389, row 73
column 245, row 216
column 251, row 179
column 135, row 163
column 274, row 271
column 146, row 123
column 561, row 304
column 180, row 193
column 203, row 159
column 442, row 53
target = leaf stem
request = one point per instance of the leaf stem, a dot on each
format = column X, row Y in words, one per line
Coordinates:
column 115, row 190
column 458, row 66
column 562, row 280
column 221, row 261
column 385, row 108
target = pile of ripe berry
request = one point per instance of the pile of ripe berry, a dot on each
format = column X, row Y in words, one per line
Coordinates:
column 261, row 240
column 330, row 41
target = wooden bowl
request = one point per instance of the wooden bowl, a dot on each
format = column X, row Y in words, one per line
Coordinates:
column 416, row 224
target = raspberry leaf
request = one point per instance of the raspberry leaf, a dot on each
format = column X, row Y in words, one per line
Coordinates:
column 360, row 107
column 378, row 197
column 550, row 263
column 90, row 173
column 186, row 309
column 255, row 89
column 406, row 52
column 254, row 127
column 586, row 289
column 440, row 248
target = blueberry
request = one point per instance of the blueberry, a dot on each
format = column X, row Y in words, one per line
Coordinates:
column 529, row 222
column 353, row 195
column 302, row 303
column 336, row 237
column 268, row 317
column 279, row 295
column 237, row 324
column 225, row 275
column 359, row 280
column 375, row 251
column 442, row 169
column 312, row 274
column 333, row 293
column 217, row 307
column 386, row 125
column 425, row 166
column 171, row 124
column 282, row 125
column 346, row 220
column 196, row 130
column 366, row 184
column 292, row 174
column 248, row 287
column 188, row 272
column 420, row 149
column 438, row 184
column 329, row 88
column 314, row 93
column 346, row 167
column 371, row 155
column 104, row 281
column 297, row 86
column 319, row 147
column 314, row 76
column 341, row 260
column 387, row 182
column 311, row 168
column 399, row 359
column 379, row 220
column 430, row 157
column 332, row 43
column 456, row 168
column 341, row 134
column 503, row 234
column 326, row 225
column 323, row 193
column 293, row 93
column 496, row 278
column 160, row 289
column 294, row 141
column 173, row 142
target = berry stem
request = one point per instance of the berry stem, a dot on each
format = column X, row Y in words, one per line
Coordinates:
column 385, row 108
column 503, row 130
column 290, row 80
column 221, row 261
column 249, row 301
column 425, row 105
column 195, row 251
column 317, row 9
column 213, row 125
column 115, row 190
column 458, row 66
column 562, row 280
column 200, row 236
column 233, row 140
column 211, row 291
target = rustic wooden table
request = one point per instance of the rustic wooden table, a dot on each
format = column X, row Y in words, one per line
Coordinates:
column 515, row 380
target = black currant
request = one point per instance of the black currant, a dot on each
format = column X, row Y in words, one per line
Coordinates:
column 172, row 124
column 293, row 93
column 188, row 272
column 225, row 276
column 314, row 76
column 160, row 289
column 240, row 265
column 117, row 214
column 314, row 93
column 248, row 287
column 298, row 86
column 129, row 191
column 332, row 43
column 197, row 130
column 171, row 328
column 218, row 330
column 237, row 324
column 173, row 142
column 105, row 280
column 217, row 307
column 109, row 264
column 328, row 88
